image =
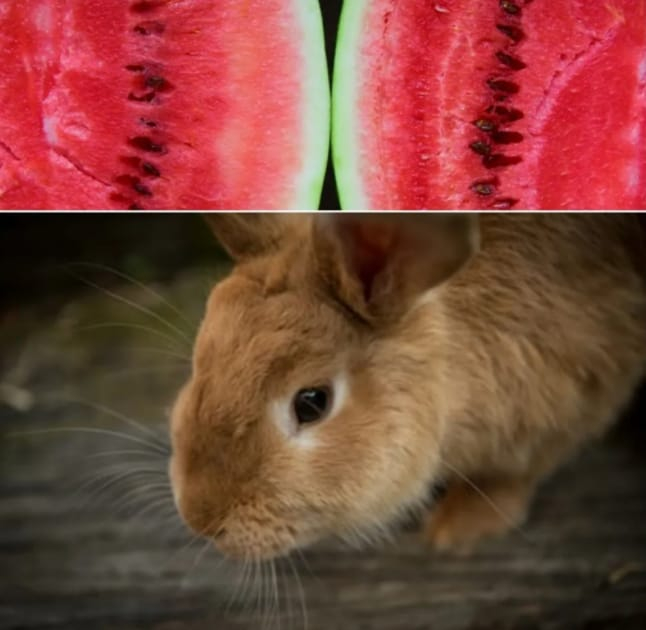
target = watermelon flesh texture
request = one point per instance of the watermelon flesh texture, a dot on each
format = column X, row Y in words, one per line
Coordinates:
column 162, row 104
column 488, row 104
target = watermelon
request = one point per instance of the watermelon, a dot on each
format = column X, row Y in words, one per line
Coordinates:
column 491, row 104
column 162, row 104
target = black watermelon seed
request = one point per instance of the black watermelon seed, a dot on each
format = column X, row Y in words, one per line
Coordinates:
column 485, row 124
column 481, row 148
column 145, row 144
column 513, row 32
column 149, row 28
column 511, row 62
column 500, row 85
column 496, row 160
column 483, row 188
column 150, row 169
column 155, row 81
column 158, row 83
column 510, row 7
column 507, row 137
column 142, row 189
column 126, row 180
column 144, row 6
column 507, row 114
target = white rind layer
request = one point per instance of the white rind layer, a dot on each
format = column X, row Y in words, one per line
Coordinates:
column 316, row 108
column 346, row 141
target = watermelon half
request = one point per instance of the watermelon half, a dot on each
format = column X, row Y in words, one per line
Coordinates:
column 162, row 104
column 497, row 104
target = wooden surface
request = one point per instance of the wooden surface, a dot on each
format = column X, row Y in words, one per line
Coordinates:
column 70, row 559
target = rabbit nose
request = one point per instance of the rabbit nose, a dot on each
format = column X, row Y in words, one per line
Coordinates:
column 200, row 515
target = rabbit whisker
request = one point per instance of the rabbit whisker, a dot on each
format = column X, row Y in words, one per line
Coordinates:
column 301, row 591
column 196, row 561
column 275, row 594
column 169, row 353
column 305, row 562
column 94, row 430
column 287, row 594
column 193, row 538
column 247, row 583
column 185, row 547
column 137, row 307
column 156, row 503
column 269, row 610
column 248, row 593
column 274, row 607
column 257, row 588
column 494, row 506
column 264, row 583
column 234, row 598
column 139, row 327
column 135, row 493
column 123, row 452
column 120, row 374
column 141, row 285
column 109, row 478
column 157, row 436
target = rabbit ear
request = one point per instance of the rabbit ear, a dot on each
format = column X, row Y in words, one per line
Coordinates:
column 379, row 265
column 247, row 235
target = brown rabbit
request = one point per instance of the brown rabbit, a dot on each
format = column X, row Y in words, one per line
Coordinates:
column 351, row 361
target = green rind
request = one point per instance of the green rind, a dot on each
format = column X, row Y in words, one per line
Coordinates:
column 316, row 114
column 345, row 93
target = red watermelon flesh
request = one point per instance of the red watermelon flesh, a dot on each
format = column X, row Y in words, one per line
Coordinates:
column 161, row 104
column 491, row 104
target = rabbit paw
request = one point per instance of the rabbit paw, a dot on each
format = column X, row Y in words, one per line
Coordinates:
column 466, row 515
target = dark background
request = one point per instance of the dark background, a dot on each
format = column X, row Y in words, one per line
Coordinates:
column 35, row 250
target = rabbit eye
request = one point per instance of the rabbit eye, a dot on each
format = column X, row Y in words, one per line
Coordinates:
column 312, row 404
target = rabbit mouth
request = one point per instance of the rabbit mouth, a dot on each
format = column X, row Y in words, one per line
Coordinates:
column 258, row 536
column 258, row 545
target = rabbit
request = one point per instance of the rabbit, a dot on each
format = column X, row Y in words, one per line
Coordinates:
column 350, row 362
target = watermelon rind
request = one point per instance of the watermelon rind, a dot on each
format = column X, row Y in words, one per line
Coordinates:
column 316, row 114
column 345, row 93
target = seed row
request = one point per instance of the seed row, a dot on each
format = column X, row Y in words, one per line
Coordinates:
column 148, row 83
column 500, row 114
